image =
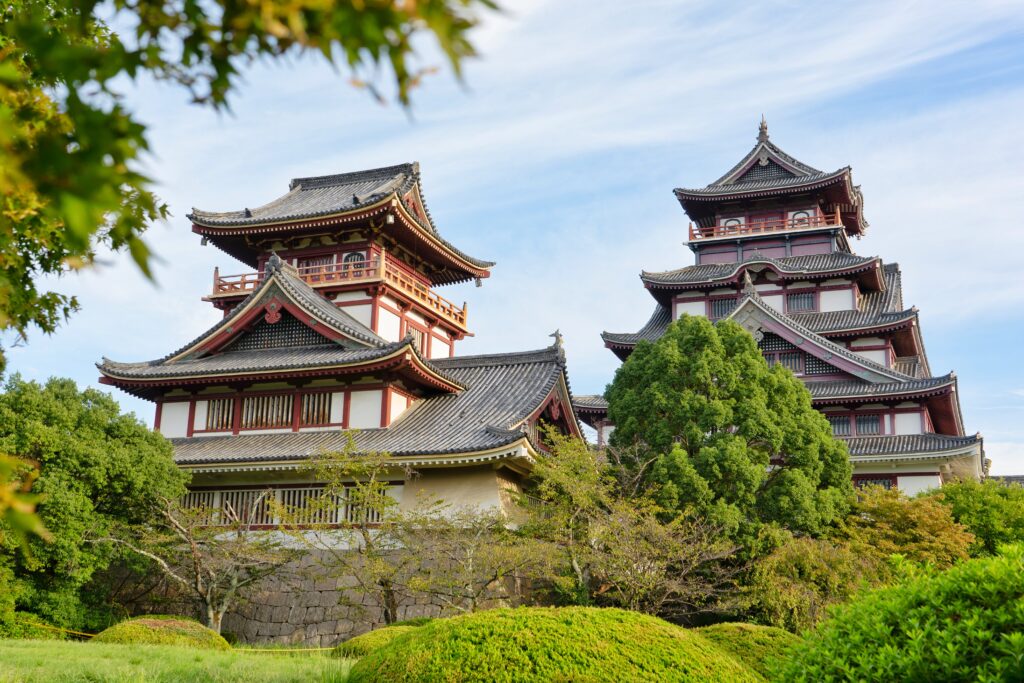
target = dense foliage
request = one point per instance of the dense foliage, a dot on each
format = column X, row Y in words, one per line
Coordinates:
column 364, row 644
column 98, row 469
column 158, row 629
column 70, row 152
column 755, row 646
column 992, row 511
column 963, row 624
column 707, row 416
column 885, row 522
column 580, row 644
column 792, row 587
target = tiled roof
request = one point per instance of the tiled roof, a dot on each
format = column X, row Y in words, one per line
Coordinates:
column 879, row 308
column 590, row 402
column 909, row 444
column 320, row 196
column 790, row 267
column 651, row 331
column 824, row 391
column 501, row 392
column 810, row 181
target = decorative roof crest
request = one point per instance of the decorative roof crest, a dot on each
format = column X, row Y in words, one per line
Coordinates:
column 748, row 285
column 762, row 131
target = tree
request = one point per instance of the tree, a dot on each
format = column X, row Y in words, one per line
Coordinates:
column 213, row 554
column 991, row 510
column 726, row 436
column 98, row 468
column 885, row 522
column 69, row 150
column 615, row 547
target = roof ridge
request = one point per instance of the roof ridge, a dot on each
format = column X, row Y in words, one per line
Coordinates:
column 547, row 354
column 367, row 174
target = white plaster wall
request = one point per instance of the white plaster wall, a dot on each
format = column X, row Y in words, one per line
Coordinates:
column 398, row 405
column 199, row 422
column 350, row 296
column 836, row 300
column 459, row 487
column 878, row 355
column 174, row 419
column 364, row 409
column 415, row 317
column 691, row 307
column 337, row 406
column 439, row 349
column 800, row 285
column 908, row 423
column 917, row 484
column 776, row 301
column 387, row 325
column 363, row 313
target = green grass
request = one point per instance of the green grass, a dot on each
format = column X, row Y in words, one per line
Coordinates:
column 29, row 661
column 364, row 644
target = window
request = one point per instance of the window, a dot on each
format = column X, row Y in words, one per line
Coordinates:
column 219, row 414
column 316, row 268
column 267, row 412
column 419, row 338
column 316, row 409
column 732, row 222
column 869, row 425
column 801, row 217
column 800, row 301
column 840, row 424
column 875, row 480
column 792, row 360
column 354, row 259
column 721, row 308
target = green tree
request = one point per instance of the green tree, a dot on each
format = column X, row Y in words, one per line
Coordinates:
column 991, row 510
column 723, row 435
column 885, row 522
column 70, row 151
column 98, row 468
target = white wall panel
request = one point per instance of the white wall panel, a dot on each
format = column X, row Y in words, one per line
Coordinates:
column 919, row 483
column 690, row 307
column 365, row 409
column 908, row 423
column 174, row 419
column 836, row 300
column 388, row 325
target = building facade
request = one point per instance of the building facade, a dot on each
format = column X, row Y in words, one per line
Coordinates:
column 338, row 332
column 772, row 245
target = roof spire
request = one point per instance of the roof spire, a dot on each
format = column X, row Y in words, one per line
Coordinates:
column 748, row 285
column 557, row 334
column 762, row 131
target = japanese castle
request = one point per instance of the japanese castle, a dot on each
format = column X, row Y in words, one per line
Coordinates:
column 771, row 240
column 337, row 330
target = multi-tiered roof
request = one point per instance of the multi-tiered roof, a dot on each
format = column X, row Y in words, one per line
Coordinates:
column 771, row 240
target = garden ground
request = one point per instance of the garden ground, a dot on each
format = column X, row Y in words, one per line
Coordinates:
column 29, row 661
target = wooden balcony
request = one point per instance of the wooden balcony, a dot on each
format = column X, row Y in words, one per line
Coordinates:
column 765, row 227
column 359, row 272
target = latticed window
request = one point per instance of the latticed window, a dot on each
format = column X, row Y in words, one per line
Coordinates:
column 869, row 425
column 792, row 360
column 267, row 412
column 219, row 414
column 840, row 424
column 316, row 408
column 419, row 338
column 881, row 480
column 798, row 302
column 307, row 505
column 286, row 332
column 721, row 308
column 816, row 366
column 773, row 342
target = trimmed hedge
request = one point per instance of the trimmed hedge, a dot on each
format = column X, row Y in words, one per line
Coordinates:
column 364, row 644
column 963, row 624
column 578, row 644
column 158, row 629
column 751, row 644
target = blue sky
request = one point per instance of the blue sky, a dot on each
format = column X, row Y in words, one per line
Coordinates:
column 557, row 156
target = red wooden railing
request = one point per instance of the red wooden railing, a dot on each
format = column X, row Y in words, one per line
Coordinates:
column 760, row 227
column 378, row 269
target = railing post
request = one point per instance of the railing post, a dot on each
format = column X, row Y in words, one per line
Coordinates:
column 216, row 279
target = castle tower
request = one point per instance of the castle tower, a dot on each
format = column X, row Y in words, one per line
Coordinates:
column 772, row 246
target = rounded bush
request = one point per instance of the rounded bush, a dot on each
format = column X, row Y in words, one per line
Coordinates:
column 364, row 644
column 756, row 646
column 578, row 644
column 963, row 624
column 156, row 629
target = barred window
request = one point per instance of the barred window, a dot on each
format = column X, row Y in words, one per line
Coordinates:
column 880, row 480
column 840, row 424
column 869, row 425
column 316, row 408
column 419, row 338
column 793, row 360
column 219, row 414
column 721, row 308
column 816, row 366
column 798, row 302
column 773, row 342
column 267, row 412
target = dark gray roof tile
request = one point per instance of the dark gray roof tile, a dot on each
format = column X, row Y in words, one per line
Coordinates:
column 909, row 444
column 791, row 267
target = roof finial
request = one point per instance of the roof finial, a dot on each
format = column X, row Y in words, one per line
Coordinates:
column 762, row 131
column 558, row 339
column 273, row 264
column 748, row 284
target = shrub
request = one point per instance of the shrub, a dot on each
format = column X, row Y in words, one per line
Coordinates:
column 753, row 645
column 991, row 510
column 526, row 644
column 415, row 621
column 964, row 624
column 20, row 625
column 793, row 586
column 364, row 644
column 156, row 629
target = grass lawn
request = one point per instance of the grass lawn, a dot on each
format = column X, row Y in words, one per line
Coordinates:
column 25, row 661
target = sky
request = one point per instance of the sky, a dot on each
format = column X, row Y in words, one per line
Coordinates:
column 556, row 157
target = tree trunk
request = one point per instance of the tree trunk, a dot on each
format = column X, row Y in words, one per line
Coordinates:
column 213, row 618
column 390, row 602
